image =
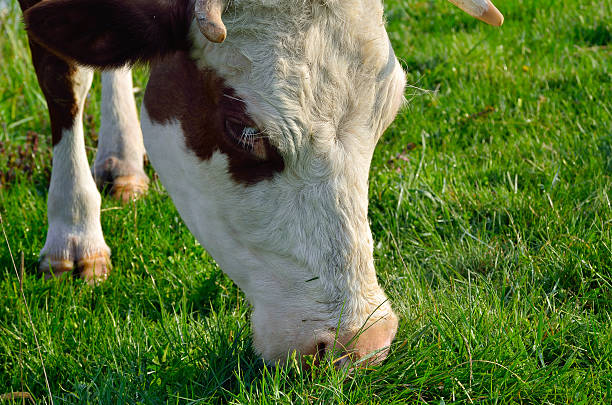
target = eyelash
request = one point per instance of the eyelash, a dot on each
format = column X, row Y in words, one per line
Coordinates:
column 248, row 138
column 241, row 129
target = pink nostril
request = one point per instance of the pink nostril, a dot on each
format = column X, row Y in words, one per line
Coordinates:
column 364, row 347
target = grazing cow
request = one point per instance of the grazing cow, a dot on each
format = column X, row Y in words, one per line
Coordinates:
column 263, row 140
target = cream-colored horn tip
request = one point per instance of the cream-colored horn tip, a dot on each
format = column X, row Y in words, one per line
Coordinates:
column 213, row 31
column 492, row 16
column 216, row 35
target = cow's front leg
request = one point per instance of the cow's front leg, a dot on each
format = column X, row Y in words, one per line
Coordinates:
column 119, row 161
column 74, row 242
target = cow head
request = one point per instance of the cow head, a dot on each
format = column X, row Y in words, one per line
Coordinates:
column 261, row 118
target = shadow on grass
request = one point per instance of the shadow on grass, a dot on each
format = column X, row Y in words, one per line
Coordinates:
column 597, row 35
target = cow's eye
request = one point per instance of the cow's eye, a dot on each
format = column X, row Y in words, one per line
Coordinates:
column 248, row 138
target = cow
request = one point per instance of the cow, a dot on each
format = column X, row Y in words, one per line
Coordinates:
column 260, row 118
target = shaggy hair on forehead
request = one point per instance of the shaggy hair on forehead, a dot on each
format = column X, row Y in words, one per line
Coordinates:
column 310, row 66
column 346, row 11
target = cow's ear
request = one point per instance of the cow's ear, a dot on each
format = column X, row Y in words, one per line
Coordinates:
column 110, row 33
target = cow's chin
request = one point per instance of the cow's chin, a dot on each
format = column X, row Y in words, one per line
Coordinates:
column 277, row 334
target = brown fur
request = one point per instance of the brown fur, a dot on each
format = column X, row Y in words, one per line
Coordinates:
column 110, row 33
column 55, row 80
column 202, row 103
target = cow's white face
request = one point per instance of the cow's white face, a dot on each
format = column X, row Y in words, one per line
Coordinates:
column 310, row 88
column 264, row 143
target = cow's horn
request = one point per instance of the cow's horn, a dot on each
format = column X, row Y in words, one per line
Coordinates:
column 208, row 15
column 482, row 9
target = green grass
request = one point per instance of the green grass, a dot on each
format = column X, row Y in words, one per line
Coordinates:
column 491, row 213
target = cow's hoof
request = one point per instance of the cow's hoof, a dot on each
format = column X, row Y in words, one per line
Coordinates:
column 123, row 181
column 55, row 268
column 128, row 188
column 93, row 269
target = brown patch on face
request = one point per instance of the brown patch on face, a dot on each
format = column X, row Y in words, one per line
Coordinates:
column 208, row 110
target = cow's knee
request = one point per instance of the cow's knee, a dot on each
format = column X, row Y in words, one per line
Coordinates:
column 119, row 161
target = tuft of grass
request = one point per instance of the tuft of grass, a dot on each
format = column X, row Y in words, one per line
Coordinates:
column 489, row 204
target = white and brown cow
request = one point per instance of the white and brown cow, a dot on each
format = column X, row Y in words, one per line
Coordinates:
column 263, row 140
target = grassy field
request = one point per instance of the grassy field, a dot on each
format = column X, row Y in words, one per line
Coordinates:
column 491, row 212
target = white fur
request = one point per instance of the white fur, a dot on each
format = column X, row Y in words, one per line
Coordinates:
column 310, row 73
column 120, row 138
column 73, row 206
